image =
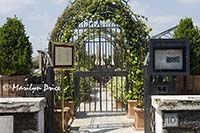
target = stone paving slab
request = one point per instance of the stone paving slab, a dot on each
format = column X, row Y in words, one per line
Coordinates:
column 114, row 121
column 103, row 122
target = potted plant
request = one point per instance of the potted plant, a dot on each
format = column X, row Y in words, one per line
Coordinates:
column 68, row 93
column 138, row 95
column 116, row 86
column 86, row 90
column 64, row 110
column 131, row 101
column 118, row 102
column 58, row 119
column 69, row 99
column 139, row 116
column 139, row 109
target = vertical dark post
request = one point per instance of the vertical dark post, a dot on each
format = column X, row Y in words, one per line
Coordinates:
column 84, row 93
column 47, row 77
column 122, row 90
column 127, row 89
column 106, row 96
column 146, row 101
column 50, row 99
column 100, row 91
column 116, row 90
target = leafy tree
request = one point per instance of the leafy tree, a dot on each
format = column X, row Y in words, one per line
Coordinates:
column 186, row 29
column 15, row 48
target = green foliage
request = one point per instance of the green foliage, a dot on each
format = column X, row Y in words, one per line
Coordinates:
column 117, row 86
column 15, row 48
column 68, row 86
column 35, row 63
column 140, row 104
column 86, row 88
column 186, row 29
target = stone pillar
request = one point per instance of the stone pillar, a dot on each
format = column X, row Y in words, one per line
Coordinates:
column 6, row 124
column 176, row 113
column 25, row 114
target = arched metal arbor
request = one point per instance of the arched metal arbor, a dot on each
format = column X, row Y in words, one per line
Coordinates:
column 103, row 31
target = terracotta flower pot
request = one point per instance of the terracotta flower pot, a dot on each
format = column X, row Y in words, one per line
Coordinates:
column 139, row 119
column 118, row 104
column 70, row 104
column 131, row 106
column 58, row 119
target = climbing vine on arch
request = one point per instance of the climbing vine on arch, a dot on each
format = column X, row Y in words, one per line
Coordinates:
column 133, row 35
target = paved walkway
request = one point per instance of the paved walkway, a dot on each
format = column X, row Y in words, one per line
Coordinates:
column 103, row 122
column 114, row 121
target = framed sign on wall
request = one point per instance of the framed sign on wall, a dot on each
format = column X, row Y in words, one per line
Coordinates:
column 169, row 57
column 63, row 56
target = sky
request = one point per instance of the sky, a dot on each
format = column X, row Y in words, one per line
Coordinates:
column 40, row 16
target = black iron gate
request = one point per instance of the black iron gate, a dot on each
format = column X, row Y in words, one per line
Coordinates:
column 100, row 91
column 101, row 66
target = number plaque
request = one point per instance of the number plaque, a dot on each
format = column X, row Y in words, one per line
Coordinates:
column 171, row 120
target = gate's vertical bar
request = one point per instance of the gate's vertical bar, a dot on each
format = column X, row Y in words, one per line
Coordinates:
column 78, row 57
column 84, row 92
column 94, row 53
column 100, row 52
column 88, row 44
column 112, row 61
column 116, row 89
column 93, row 43
column 84, row 49
column 106, row 96
column 107, row 78
column 90, row 94
column 84, row 69
column 89, row 61
column 77, row 89
column 127, row 89
column 92, row 91
column 99, row 45
column 95, row 95
column 100, row 91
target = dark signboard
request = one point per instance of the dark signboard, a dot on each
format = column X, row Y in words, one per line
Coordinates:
column 169, row 56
